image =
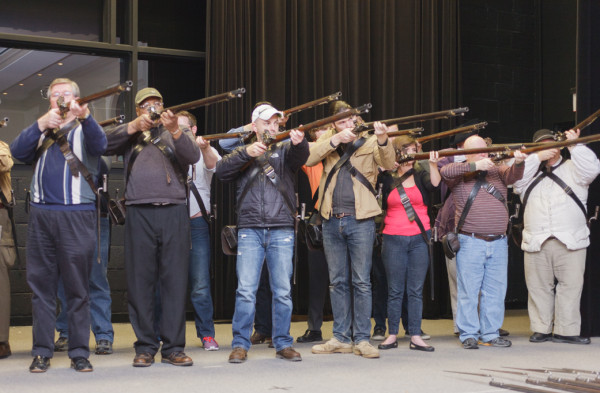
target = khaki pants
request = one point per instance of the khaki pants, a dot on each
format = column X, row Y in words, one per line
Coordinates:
column 555, row 304
column 7, row 259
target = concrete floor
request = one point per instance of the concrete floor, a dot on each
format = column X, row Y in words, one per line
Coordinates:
column 398, row 370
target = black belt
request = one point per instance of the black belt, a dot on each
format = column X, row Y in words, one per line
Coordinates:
column 342, row 215
column 487, row 238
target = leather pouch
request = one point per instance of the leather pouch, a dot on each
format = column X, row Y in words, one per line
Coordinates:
column 451, row 244
column 229, row 239
column 116, row 211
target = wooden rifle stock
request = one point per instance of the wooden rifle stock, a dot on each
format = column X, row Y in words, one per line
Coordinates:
column 63, row 107
column 422, row 117
column 155, row 115
column 312, row 104
column 4, row 122
column 226, row 135
column 269, row 140
column 109, row 122
column 453, row 131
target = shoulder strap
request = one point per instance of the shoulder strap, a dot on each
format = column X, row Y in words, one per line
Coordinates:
column 196, row 193
column 410, row 211
column 479, row 184
column 270, row 173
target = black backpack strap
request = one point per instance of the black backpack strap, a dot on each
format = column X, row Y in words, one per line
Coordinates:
column 196, row 193
column 269, row 172
column 479, row 184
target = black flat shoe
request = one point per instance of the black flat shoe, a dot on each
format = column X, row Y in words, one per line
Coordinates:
column 426, row 348
column 388, row 346
column 310, row 336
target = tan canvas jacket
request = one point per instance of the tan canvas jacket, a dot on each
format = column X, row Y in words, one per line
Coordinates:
column 366, row 160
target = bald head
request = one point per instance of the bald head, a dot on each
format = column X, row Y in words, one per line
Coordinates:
column 475, row 142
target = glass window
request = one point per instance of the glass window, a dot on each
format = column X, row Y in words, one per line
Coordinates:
column 80, row 20
column 28, row 73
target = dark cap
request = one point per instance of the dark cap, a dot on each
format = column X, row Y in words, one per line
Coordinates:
column 146, row 92
column 543, row 134
column 338, row 106
column 462, row 137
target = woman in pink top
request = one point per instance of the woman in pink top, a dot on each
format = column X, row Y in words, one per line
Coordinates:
column 404, row 251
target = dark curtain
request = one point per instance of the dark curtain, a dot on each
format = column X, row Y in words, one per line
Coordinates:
column 400, row 55
column 588, row 101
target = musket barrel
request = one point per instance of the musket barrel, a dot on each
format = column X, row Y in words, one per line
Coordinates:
column 422, row 117
column 453, row 131
column 125, row 86
column 115, row 120
column 226, row 135
column 587, row 121
column 207, row 100
column 312, row 104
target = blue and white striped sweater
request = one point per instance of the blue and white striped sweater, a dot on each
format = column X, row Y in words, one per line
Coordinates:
column 53, row 186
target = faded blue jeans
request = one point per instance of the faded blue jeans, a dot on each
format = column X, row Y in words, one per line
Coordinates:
column 100, row 300
column 406, row 259
column 255, row 246
column 348, row 245
column 481, row 268
column 199, row 278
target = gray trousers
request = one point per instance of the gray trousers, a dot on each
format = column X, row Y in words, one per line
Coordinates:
column 555, row 305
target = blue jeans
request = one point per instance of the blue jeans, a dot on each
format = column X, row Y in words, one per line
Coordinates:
column 481, row 268
column 348, row 245
column 255, row 246
column 199, row 278
column 406, row 259
column 100, row 301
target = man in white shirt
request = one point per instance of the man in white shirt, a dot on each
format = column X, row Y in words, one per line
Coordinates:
column 555, row 237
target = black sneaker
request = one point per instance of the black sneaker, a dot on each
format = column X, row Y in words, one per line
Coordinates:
column 310, row 336
column 81, row 364
column 40, row 364
column 497, row 342
column 61, row 345
column 103, row 347
column 378, row 334
column 470, row 343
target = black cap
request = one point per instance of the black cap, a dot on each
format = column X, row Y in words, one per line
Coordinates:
column 460, row 138
column 543, row 134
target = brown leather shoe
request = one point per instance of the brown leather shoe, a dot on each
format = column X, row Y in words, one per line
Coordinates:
column 143, row 360
column 177, row 359
column 238, row 355
column 289, row 353
column 5, row 350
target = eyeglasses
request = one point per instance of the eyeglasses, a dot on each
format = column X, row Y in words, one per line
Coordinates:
column 63, row 94
column 157, row 104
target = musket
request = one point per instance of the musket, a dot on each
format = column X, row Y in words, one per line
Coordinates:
column 269, row 140
column 587, row 121
column 518, row 388
column 155, row 115
column 414, row 132
column 109, row 122
column 4, row 122
column 227, row 135
column 312, row 104
column 506, row 152
column 63, row 106
column 454, row 131
column 422, row 117
column 573, row 385
column 574, row 370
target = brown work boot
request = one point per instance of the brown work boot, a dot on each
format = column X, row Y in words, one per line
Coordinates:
column 178, row 358
column 259, row 338
column 288, row 353
column 238, row 355
column 5, row 350
column 143, row 360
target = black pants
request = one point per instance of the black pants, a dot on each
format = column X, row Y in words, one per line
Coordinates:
column 60, row 243
column 157, row 245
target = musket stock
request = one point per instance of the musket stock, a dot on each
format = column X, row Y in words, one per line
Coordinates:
column 4, row 122
column 109, row 122
column 454, row 131
column 422, row 117
column 312, row 104
column 155, row 115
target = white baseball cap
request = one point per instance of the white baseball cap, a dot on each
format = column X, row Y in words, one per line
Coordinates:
column 265, row 112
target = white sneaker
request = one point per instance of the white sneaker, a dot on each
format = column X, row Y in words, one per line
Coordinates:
column 366, row 350
column 332, row 346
